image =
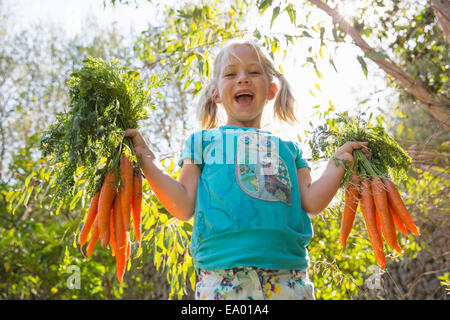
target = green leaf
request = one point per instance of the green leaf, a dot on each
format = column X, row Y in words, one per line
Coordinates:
column 75, row 199
column 363, row 64
column 28, row 195
column 400, row 128
column 275, row 14
column 318, row 73
column 322, row 32
column 292, row 13
column 335, row 35
column 28, row 179
column 376, row 55
column 257, row 34
column 332, row 63
column 306, row 34
column 330, row 103
column 263, row 5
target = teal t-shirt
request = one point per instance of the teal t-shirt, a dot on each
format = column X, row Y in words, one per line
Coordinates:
column 247, row 210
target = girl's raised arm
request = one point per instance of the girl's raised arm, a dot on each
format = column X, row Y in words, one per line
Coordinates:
column 178, row 197
column 315, row 196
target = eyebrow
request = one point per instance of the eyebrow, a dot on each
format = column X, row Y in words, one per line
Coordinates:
column 250, row 63
column 234, row 64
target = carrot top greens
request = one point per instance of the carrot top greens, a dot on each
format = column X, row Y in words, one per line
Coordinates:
column 105, row 100
column 387, row 158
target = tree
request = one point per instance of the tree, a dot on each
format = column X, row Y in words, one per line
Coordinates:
column 436, row 102
column 436, row 105
column 181, row 43
column 34, row 68
column 441, row 9
column 36, row 247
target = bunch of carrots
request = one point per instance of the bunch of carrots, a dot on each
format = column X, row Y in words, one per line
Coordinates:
column 383, row 211
column 369, row 183
column 110, row 212
column 85, row 147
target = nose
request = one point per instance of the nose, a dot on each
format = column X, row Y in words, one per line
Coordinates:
column 243, row 78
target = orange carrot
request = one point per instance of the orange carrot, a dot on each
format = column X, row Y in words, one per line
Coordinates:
column 93, row 240
column 399, row 224
column 120, row 245
column 382, row 207
column 377, row 219
column 350, row 207
column 112, row 238
column 368, row 210
column 126, row 173
column 90, row 218
column 399, row 207
column 105, row 203
column 136, row 204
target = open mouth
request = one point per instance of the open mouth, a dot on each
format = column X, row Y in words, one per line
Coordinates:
column 244, row 98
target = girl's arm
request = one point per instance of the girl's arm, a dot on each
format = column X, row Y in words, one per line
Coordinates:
column 178, row 197
column 315, row 196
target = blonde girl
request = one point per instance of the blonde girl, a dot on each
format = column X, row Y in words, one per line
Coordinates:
column 248, row 190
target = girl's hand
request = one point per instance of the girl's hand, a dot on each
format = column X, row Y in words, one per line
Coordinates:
column 142, row 150
column 345, row 152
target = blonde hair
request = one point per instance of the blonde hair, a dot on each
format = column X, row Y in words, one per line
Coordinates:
column 284, row 104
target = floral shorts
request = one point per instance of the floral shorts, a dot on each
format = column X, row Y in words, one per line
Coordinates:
column 249, row 283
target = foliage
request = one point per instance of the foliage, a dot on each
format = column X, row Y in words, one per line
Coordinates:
column 417, row 43
column 338, row 274
column 186, row 39
column 98, row 91
column 82, row 144
column 387, row 158
column 344, row 274
column 179, row 48
column 37, row 249
column 167, row 240
column 35, row 66
column 445, row 281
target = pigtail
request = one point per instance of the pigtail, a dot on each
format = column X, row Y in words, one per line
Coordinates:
column 284, row 106
column 207, row 114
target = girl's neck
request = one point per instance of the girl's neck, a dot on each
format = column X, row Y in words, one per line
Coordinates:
column 249, row 124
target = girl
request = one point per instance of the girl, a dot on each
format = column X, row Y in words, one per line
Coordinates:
column 248, row 190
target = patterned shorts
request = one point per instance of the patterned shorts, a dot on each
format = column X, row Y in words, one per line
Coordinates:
column 249, row 283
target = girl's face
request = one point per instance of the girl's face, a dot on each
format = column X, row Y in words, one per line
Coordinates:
column 243, row 89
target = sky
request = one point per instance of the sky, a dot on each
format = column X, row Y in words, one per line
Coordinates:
column 70, row 14
column 345, row 88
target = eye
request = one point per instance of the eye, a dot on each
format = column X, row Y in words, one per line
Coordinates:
column 230, row 74
column 255, row 72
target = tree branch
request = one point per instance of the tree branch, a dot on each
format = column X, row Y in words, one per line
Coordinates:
column 439, row 109
column 441, row 9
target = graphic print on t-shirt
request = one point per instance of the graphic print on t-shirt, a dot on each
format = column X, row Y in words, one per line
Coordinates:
column 260, row 171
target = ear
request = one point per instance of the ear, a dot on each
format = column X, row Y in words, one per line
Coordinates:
column 273, row 89
column 216, row 96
